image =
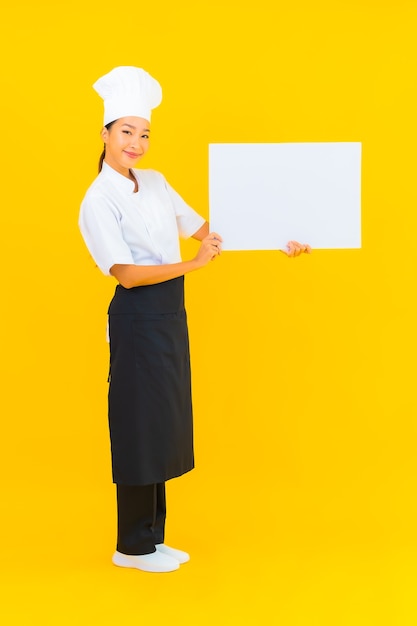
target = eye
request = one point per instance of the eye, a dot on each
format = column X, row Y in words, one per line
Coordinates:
column 145, row 136
column 128, row 132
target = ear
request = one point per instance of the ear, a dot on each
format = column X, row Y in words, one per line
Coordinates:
column 104, row 134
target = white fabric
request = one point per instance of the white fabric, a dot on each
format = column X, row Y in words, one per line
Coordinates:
column 123, row 227
column 128, row 91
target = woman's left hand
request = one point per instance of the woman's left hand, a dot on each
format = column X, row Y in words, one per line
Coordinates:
column 295, row 249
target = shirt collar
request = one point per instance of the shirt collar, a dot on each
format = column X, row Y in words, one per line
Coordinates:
column 122, row 182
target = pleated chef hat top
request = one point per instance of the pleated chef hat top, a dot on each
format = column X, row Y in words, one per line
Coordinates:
column 128, row 91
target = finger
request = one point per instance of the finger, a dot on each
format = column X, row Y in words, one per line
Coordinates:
column 290, row 248
column 298, row 247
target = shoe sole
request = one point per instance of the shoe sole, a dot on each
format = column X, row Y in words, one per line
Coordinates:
column 120, row 561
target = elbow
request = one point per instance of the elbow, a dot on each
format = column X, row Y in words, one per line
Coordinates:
column 123, row 275
column 127, row 284
column 125, row 280
column 129, row 276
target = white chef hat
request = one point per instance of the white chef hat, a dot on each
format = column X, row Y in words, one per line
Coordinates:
column 128, row 91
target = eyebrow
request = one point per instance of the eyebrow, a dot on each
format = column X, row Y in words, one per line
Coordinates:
column 147, row 130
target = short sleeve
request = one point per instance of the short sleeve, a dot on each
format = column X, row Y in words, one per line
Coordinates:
column 188, row 220
column 100, row 228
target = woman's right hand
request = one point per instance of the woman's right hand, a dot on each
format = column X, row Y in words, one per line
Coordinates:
column 210, row 248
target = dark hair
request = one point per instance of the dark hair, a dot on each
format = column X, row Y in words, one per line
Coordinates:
column 103, row 154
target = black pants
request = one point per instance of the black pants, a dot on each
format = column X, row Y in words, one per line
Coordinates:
column 141, row 513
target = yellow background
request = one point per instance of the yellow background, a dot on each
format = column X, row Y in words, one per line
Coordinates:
column 302, row 508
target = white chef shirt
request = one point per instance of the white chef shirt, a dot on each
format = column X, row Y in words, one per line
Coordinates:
column 123, row 227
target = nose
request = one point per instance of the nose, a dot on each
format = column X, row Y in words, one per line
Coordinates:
column 136, row 145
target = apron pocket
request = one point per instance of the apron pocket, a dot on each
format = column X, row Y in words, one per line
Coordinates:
column 160, row 341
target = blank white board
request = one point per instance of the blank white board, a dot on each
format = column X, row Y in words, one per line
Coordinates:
column 263, row 195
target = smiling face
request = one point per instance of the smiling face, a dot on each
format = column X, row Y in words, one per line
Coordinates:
column 126, row 141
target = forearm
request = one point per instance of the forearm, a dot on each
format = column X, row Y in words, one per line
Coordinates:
column 202, row 232
column 130, row 275
column 138, row 275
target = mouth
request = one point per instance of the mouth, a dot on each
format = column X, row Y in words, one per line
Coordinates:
column 132, row 155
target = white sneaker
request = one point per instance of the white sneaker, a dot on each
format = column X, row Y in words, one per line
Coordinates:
column 179, row 555
column 154, row 562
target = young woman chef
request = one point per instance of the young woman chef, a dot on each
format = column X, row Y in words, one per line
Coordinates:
column 131, row 221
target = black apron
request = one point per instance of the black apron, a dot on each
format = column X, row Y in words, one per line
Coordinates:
column 150, row 411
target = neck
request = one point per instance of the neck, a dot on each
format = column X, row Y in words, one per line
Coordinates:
column 124, row 172
column 133, row 178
